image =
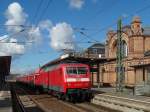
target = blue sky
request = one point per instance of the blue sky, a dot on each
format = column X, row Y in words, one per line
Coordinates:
column 93, row 15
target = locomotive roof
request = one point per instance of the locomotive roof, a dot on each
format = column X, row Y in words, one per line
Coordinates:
column 59, row 61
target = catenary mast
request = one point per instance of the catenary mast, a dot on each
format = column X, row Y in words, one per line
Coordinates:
column 120, row 56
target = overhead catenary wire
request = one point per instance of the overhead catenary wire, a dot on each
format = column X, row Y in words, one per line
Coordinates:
column 17, row 42
column 114, row 23
column 80, row 42
column 12, row 35
column 81, row 31
column 85, row 35
column 45, row 9
column 35, row 17
column 103, row 29
column 24, row 28
column 43, row 12
column 102, row 11
column 138, row 11
column 15, row 25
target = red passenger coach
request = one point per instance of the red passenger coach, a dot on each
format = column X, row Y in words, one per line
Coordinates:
column 37, row 78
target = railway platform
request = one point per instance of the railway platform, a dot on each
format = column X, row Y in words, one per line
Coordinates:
column 5, row 99
column 124, row 102
column 126, row 94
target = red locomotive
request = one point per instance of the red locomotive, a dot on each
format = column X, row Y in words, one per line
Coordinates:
column 68, row 81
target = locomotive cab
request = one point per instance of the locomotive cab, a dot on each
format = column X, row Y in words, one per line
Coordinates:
column 78, row 81
column 77, row 77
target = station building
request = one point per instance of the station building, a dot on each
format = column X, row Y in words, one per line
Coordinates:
column 136, row 47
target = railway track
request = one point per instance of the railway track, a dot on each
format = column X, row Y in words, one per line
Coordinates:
column 100, row 103
column 22, row 103
column 48, row 103
column 121, row 103
column 95, row 108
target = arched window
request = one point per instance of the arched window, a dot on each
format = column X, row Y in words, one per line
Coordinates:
column 125, row 48
column 114, row 49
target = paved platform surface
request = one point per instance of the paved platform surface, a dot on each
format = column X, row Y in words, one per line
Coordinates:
column 5, row 100
column 112, row 91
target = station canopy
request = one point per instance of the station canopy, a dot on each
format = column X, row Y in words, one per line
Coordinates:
column 73, row 59
column 5, row 62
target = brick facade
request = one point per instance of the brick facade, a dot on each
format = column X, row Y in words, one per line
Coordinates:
column 136, row 43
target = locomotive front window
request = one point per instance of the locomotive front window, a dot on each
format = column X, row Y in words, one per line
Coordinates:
column 76, row 70
column 82, row 70
column 71, row 70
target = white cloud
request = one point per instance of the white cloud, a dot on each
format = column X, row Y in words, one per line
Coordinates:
column 60, row 35
column 77, row 4
column 15, row 16
column 9, row 48
column 34, row 35
column 46, row 24
column 2, row 38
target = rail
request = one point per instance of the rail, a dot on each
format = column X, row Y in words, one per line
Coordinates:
column 16, row 102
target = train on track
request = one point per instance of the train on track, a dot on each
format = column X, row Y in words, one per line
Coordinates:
column 67, row 81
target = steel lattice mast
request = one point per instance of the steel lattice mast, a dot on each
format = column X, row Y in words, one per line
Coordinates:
column 120, row 56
